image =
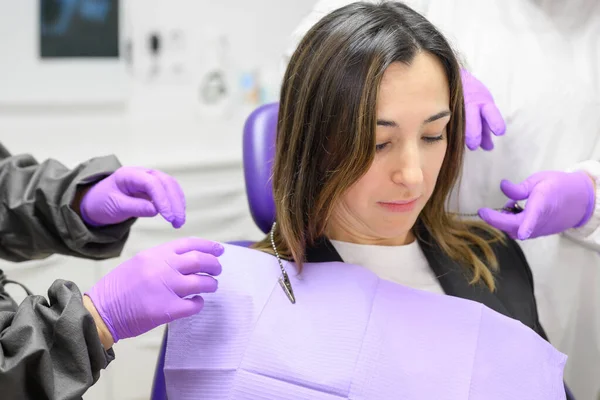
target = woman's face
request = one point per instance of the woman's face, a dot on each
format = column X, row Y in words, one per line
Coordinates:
column 412, row 114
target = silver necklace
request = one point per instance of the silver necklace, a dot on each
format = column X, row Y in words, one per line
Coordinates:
column 284, row 280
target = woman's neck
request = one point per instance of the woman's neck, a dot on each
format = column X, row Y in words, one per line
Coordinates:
column 341, row 235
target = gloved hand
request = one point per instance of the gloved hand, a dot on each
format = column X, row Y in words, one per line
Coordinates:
column 149, row 289
column 133, row 192
column 481, row 114
column 556, row 201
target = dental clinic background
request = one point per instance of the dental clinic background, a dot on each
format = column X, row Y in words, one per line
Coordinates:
column 164, row 84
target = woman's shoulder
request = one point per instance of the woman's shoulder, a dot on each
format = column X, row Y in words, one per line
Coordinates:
column 247, row 265
column 519, row 351
column 246, row 282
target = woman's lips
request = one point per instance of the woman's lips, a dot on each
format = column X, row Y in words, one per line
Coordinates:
column 399, row 206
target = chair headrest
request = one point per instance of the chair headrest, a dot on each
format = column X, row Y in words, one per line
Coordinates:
column 260, row 132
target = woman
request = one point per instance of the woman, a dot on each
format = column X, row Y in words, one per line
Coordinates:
column 552, row 128
column 370, row 143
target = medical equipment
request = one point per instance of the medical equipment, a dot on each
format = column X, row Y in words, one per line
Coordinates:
column 154, row 48
column 516, row 209
column 215, row 87
column 79, row 28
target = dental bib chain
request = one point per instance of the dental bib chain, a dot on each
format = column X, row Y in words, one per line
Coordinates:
column 516, row 209
column 284, row 281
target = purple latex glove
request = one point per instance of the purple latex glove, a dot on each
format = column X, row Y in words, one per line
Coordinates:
column 481, row 114
column 150, row 289
column 556, row 201
column 132, row 192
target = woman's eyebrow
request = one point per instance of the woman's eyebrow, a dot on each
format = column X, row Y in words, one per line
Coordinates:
column 434, row 117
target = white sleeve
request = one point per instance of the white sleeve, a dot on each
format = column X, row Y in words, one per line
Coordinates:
column 324, row 7
column 589, row 234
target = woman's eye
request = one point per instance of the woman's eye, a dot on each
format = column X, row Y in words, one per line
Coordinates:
column 433, row 139
column 381, row 146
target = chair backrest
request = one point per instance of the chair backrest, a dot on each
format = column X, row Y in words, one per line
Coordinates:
column 260, row 132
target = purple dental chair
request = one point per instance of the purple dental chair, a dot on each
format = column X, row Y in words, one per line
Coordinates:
column 258, row 152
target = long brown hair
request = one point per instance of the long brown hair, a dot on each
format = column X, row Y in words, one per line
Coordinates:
column 327, row 123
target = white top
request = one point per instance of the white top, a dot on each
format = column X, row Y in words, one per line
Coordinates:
column 405, row 265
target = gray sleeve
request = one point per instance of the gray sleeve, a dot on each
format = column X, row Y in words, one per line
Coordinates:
column 36, row 218
column 50, row 350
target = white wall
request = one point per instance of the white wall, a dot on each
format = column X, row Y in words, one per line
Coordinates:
column 156, row 123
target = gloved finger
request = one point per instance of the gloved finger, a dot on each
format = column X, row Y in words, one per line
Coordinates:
column 175, row 195
column 493, row 118
column 514, row 191
column 194, row 262
column 186, row 308
column 146, row 184
column 533, row 211
column 505, row 222
column 183, row 245
column 190, row 285
column 472, row 126
column 136, row 207
column 521, row 191
column 486, row 137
